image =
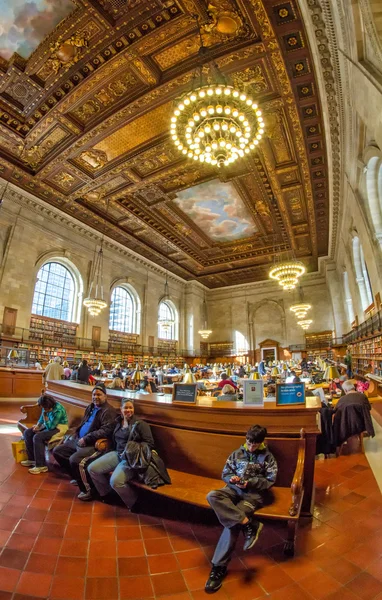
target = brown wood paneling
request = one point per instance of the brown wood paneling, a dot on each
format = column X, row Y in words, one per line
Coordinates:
column 9, row 320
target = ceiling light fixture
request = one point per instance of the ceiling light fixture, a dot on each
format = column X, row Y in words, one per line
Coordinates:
column 215, row 123
column 95, row 301
column 287, row 273
column 305, row 324
column 204, row 333
column 300, row 310
column 166, row 323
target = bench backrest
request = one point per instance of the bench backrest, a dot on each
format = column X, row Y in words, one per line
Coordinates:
column 205, row 454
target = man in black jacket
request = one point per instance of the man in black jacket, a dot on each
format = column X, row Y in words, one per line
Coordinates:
column 98, row 422
column 248, row 473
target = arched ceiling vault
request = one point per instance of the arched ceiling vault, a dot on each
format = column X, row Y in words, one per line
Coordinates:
column 84, row 119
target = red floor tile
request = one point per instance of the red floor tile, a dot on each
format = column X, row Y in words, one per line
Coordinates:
column 69, row 565
column 168, row 583
column 46, row 545
column 9, row 579
column 130, row 532
column 343, row 570
column 135, row 588
column 13, row 559
column 130, row 548
column 162, row 563
column 101, row 548
column 101, row 588
column 191, row 558
column 67, row 588
column 28, row 527
column 102, row 567
column 103, row 533
column 153, row 531
column 41, row 563
column 365, row 586
column 133, row 565
column 18, row 541
column 196, row 578
column 34, row 583
column 74, row 548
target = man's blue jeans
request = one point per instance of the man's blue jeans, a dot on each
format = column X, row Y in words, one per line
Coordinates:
column 99, row 470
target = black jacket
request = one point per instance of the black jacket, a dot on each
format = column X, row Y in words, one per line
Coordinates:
column 352, row 417
column 83, row 374
column 103, row 423
column 140, row 431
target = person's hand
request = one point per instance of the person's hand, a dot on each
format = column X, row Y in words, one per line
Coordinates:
column 36, row 428
column 45, row 417
column 242, row 485
column 234, row 479
column 81, row 442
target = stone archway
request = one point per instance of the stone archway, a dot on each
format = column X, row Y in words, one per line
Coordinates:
column 267, row 321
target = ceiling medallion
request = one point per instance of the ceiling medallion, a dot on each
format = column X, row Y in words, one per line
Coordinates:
column 216, row 124
column 305, row 324
column 300, row 310
column 287, row 273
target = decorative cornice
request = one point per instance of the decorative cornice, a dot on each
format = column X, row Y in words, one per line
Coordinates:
column 322, row 20
column 55, row 215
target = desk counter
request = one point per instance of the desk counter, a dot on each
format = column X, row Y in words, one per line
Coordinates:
column 16, row 382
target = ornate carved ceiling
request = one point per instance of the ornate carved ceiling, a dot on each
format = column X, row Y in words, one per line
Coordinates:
column 85, row 120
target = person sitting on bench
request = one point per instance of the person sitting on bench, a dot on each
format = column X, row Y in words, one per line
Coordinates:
column 53, row 416
column 248, row 473
column 127, row 429
column 98, row 422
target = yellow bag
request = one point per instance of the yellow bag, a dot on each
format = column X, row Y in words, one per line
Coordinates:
column 19, row 451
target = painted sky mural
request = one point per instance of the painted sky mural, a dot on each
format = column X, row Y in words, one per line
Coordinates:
column 218, row 210
column 23, row 24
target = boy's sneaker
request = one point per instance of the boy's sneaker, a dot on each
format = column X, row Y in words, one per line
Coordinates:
column 28, row 463
column 215, row 580
column 85, row 496
column 251, row 531
column 38, row 470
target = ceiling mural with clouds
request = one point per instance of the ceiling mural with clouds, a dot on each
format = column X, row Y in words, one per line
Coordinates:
column 24, row 24
column 218, row 210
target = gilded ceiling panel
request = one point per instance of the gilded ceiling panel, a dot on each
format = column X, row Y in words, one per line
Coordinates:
column 137, row 132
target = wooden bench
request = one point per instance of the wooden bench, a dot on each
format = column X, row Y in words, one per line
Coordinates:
column 195, row 460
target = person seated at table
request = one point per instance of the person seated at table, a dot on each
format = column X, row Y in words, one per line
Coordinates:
column 53, row 420
column 83, row 372
column 335, row 387
column 98, row 422
column 240, row 372
column 127, row 429
column 249, row 472
column 225, row 380
column 296, row 379
column 148, row 386
column 116, row 384
column 172, row 370
column 73, row 376
column 343, row 376
column 228, row 393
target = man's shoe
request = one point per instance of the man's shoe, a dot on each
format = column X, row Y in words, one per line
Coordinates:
column 38, row 470
column 215, row 580
column 85, row 496
column 28, row 463
column 74, row 482
column 251, row 531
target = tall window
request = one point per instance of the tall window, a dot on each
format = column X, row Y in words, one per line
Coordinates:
column 167, row 312
column 348, row 299
column 124, row 310
column 241, row 344
column 362, row 275
column 121, row 311
column 54, row 292
column 374, row 193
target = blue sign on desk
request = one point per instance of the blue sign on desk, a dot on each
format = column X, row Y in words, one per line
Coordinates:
column 290, row 394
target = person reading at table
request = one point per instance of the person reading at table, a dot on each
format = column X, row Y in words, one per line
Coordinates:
column 249, row 472
column 225, row 380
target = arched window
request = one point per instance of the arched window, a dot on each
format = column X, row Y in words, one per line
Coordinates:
column 168, row 321
column 362, row 275
column 124, row 310
column 348, row 298
column 241, row 344
column 374, row 193
column 54, row 292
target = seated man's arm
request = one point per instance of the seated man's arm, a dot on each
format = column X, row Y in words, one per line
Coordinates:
column 145, row 434
column 265, row 481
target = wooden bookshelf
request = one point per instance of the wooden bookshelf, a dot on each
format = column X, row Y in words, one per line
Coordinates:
column 367, row 352
column 52, row 331
column 220, row 349
column 318, row 340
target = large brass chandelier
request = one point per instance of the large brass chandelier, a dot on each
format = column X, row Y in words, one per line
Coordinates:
column 287, row 273
column 216, row 124
column 95, row 302
column 204, row 332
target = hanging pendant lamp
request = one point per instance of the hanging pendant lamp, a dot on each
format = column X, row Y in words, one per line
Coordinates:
column 95, row 301
column 204, row 332
column 287, row 274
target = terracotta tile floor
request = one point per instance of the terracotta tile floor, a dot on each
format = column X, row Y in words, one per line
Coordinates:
column 57, row 548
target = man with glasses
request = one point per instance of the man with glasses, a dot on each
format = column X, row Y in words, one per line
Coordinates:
column 248, row 473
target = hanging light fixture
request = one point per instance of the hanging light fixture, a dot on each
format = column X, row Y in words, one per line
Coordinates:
column 300, row 308
column 287, row 273
column 217, row 123
column 205, row 332
column 305, row 324
column 166, row 323
column 95, row 302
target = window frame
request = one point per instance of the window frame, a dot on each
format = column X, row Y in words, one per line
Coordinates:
column 52, row 281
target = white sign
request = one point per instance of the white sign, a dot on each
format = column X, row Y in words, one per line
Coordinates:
column 253, row 392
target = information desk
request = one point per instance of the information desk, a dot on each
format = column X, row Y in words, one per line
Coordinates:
column 20, row 383
column 215, row 420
